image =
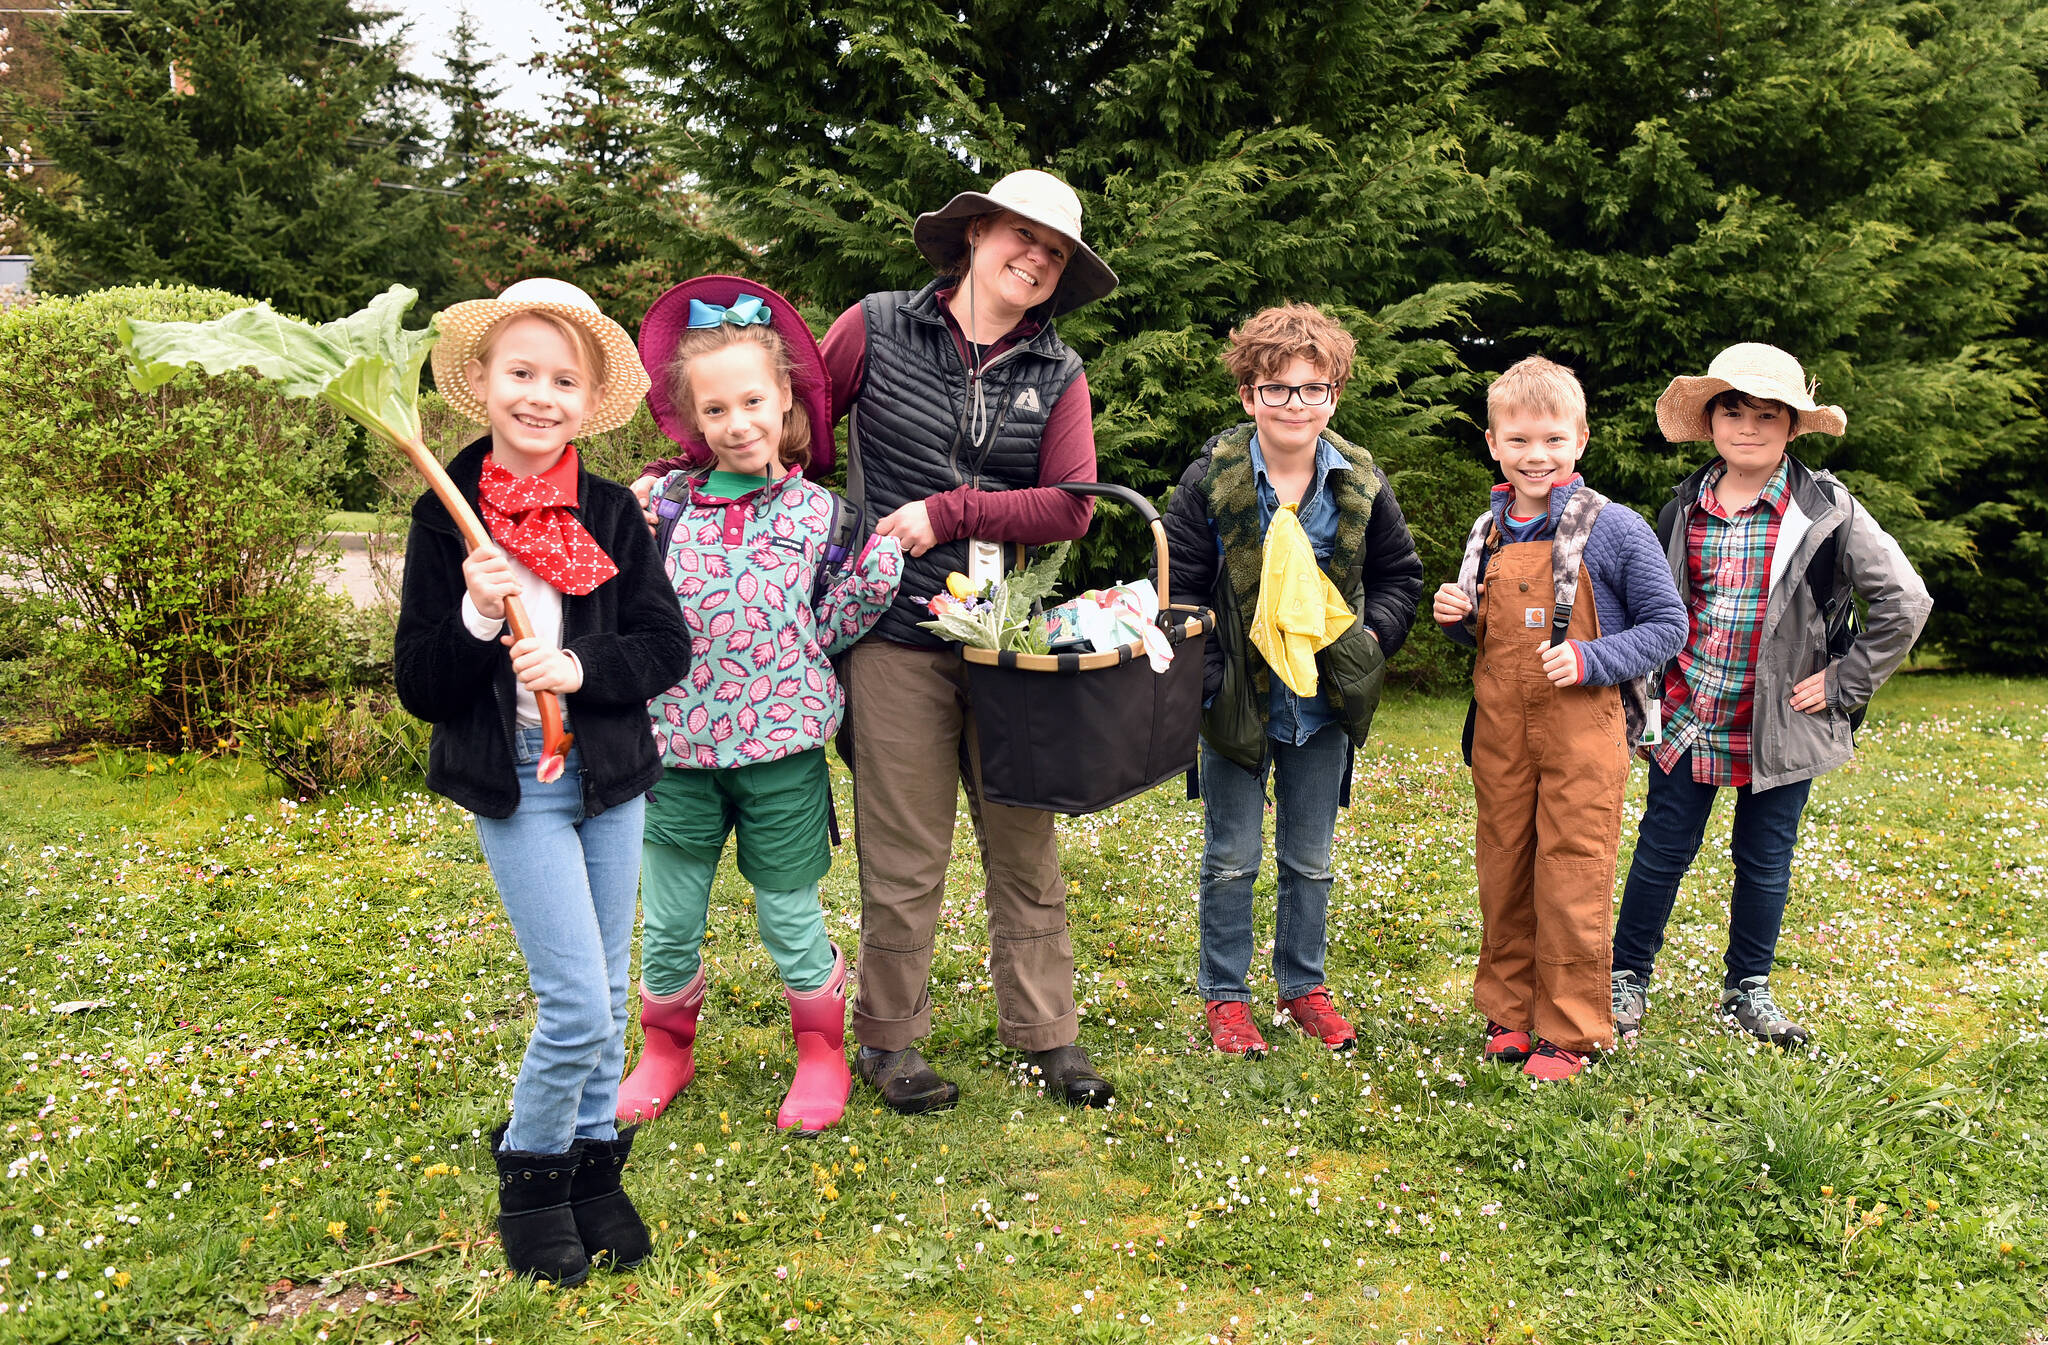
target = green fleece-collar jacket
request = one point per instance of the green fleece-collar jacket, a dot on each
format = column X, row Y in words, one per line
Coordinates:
column 1216, row 547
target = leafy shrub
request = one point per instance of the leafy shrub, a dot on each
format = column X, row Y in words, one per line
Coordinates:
column 171, row 533
column 318, row 746
column 1440, row 493
column 24, row 627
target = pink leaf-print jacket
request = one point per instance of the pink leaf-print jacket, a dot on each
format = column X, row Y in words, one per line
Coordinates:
column 761, row 683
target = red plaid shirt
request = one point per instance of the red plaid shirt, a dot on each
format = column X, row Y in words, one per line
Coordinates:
column 1710, row 697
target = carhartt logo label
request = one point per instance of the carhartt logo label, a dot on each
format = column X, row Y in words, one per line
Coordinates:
column 1532, row 617
column 1027, row 400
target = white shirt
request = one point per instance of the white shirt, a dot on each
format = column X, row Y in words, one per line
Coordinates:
column 543, row 604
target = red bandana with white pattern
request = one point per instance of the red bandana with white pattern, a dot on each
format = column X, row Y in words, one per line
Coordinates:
column 529, row 516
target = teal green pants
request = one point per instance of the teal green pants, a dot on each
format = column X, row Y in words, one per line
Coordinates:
column 776, row 813
column 675, row 890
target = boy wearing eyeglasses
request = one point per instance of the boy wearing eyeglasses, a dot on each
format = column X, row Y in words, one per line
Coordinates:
column 1290, row 364
column 1567, row 600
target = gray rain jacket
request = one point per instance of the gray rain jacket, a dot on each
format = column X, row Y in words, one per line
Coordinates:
column 1788, row 745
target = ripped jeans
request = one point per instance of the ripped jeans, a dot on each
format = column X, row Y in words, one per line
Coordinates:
column 1306, row 781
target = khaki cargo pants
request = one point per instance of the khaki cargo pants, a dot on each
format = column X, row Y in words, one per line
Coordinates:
column 914, row 746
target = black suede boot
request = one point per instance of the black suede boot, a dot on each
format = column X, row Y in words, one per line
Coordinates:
column 535, row 1223
column 1070, row 1077
column 611, row 1230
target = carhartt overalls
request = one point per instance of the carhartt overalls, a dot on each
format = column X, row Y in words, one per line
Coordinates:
column 1549, row 768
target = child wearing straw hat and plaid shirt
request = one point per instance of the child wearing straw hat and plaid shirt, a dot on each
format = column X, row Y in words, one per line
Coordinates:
column 1770, row 557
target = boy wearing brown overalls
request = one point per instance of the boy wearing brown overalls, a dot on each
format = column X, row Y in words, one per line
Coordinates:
column 1569, row 604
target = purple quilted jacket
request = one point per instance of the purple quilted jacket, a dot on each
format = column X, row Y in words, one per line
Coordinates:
column 761, row 683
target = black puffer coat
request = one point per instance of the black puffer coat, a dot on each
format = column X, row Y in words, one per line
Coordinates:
column 1212, row 530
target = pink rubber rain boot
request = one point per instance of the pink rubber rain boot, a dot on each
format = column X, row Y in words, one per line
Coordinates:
column 817, row 1019
column 666, row 1067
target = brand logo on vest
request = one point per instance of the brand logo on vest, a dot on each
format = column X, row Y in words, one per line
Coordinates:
column 1532, row 617
column 1027, row 400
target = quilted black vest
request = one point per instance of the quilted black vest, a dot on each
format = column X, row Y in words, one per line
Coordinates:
column 913, row 429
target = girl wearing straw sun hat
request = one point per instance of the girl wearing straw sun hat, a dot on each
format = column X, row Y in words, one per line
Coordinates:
column 1770, row 557
column 538, row 367
column 964, row 408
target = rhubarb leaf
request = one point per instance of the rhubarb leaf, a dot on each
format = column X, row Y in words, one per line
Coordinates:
column 366, row 364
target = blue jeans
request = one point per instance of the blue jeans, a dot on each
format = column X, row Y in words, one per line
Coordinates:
column 1674, row 824
column 1306, row 780
column 568, row 883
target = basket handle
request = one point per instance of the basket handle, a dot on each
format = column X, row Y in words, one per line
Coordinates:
column 1125, row 495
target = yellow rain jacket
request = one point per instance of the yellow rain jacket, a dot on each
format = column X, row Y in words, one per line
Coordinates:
column 1300, row 610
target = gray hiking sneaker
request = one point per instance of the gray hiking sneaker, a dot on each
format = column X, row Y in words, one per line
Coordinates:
column 1631, row 999
column 1750, row 1007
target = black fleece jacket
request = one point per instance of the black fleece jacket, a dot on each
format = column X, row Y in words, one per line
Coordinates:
column 628, row 634
column 1390, row 569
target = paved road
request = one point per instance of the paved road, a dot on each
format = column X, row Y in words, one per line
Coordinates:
column 350, row 572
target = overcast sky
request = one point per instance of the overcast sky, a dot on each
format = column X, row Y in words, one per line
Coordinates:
column 511, row 30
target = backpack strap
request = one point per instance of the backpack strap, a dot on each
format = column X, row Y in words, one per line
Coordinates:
column 1824, row 569
column 1478, row 550
column 846, row 532
column 1567, row 550
column 1567, row 555
column 668, row 508
column 1480, row 545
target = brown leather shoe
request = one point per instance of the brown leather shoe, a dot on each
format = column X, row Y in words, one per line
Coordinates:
column 1068, row 1076
column 908, row 1084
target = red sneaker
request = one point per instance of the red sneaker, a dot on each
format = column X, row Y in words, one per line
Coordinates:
column 1232, row 1031
column 1503, row 1043
column 1314, row 1014
column 1551, row 1063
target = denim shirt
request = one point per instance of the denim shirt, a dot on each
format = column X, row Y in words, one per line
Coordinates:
column 1294, row 719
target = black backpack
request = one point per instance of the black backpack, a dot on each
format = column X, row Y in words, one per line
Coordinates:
column 1835, row 599
column 845, row 533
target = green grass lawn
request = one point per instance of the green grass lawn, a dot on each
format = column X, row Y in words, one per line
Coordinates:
column 342, row 520
column 268, row 1126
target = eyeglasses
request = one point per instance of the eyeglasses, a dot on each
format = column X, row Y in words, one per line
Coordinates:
column 1311, row 394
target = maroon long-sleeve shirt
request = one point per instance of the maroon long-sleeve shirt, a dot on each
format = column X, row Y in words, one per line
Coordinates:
column 1066, row 453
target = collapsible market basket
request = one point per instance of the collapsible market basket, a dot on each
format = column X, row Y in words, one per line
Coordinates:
column 1079, row 732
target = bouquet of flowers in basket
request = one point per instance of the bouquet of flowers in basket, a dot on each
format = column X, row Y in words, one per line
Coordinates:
column 996, row 613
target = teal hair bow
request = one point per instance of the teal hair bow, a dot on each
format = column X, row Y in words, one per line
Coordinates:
column 747, row 311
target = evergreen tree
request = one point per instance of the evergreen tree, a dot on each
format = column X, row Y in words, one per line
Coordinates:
column 1227, row 157
column 251, row 147
column 468, row 95
column 580, row 193
column 1847, row 179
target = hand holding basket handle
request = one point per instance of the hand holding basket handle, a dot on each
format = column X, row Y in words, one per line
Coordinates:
column 367, row 366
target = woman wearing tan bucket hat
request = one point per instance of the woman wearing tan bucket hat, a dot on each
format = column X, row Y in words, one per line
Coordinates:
column 1769, row 556
column 965, row 410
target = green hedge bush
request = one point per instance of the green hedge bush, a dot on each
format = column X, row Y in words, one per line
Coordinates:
column 168, row 538
column 1441, row 488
